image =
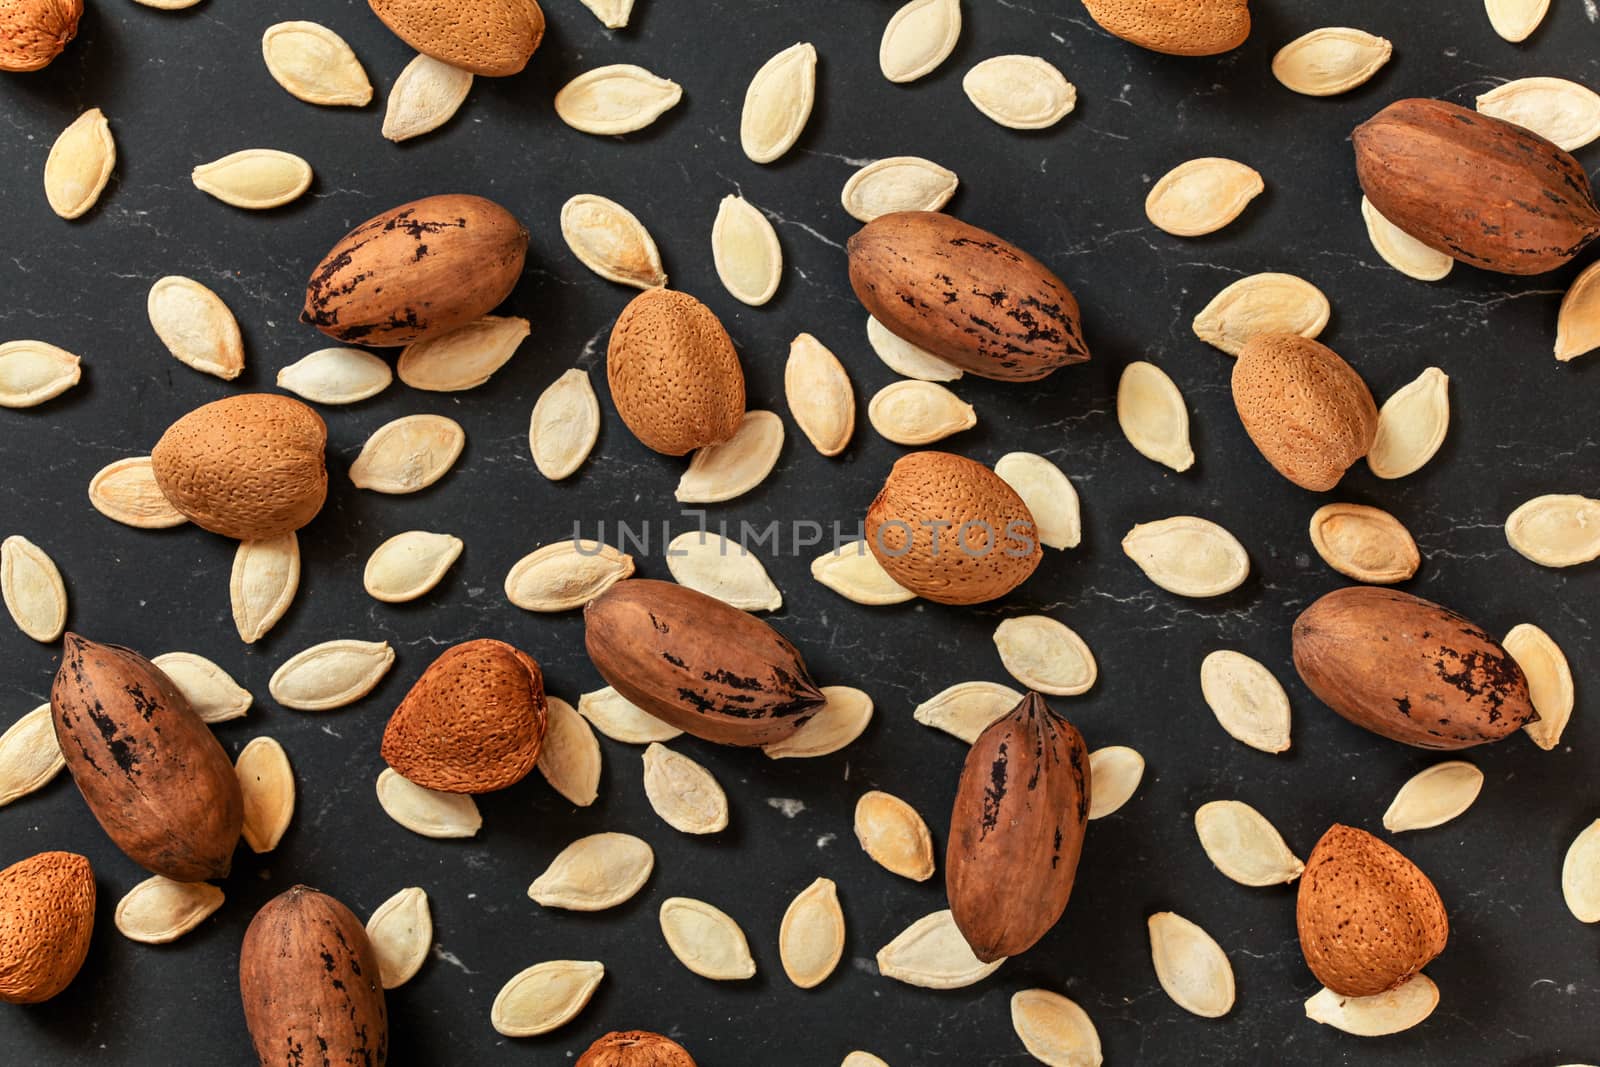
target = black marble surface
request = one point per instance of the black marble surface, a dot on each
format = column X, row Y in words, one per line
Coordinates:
column 1520, row 977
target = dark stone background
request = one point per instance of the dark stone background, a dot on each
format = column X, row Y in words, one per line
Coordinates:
column 1520, row 976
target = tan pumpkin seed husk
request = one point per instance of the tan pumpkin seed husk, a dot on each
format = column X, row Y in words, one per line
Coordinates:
column 1549, row 682
column 336, row 376
column 401, row 933
column 256, row 179
column 854, row 573
column 1116, row 772
column 267, row 782
column 565, row 575
column 408, row 454
column 1578, row 323
column 898, row 183
column 545, row 997
column 1188, row 556
column 609, row 240
column 1580, row 875
column 1048, row 494
column 266, row 575
column 595, row 873
column 1247, row 700
column 427, row 811
column 127, row 492
column 706, row 940
column 931, row 953
column 1046, row 655
column 1434, row 796
column 1515, row 20
column 819, row 395
column 811, row 936
column 30, row 755
column 919, row 413
column 1190, row 966
column 32, row 372
column 778, row 103
column 1242, row 844
column 1411, row 425
column 196, row 326
column 1556, row 530
column 32, row 588
column 619, row 719
column 966, row 709
column 894, row 835
column 1202, row 196
column 682, row 792
column 1376, row 1016
column 716, row 566
column 158, row 910
column 80, row 165
column 564, row 426
column 733, row 468
column 843, row 717
column 462, row 358
column 210, row 690
column 862, row 1059
column 1364, row 543
column 425, row 96
column 905, row 358
column 1262, row 303
column 1054, row 1029
column 920, row 36
column 570, row 756
column 1402, row 251
column 331, row 675
column 409, row 565
column 617, row 99
column 1153, row 415
column 314, row 64
column 746, row 252
column 168, row 5
column 1556, row 109
column 1330, row 61
column 1020, row 92
column 613, row 14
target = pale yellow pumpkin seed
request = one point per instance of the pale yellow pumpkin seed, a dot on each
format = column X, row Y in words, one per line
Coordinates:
column 565, row 575
column 570, row 756
column 80, row 165
column 1115, row 772
column 613, row 14
column 1054, row 1029
column 256, row 179
column 931, row 953
column 1556, row 530
column 1247, row 700
column 331, row 674
column 1190, row 966
column 1434, row 796
column 854, row 573
column 158, row 910
column 564, row 426
column 919, row 413
column 966, row 709
column 905, row 358
column 267, row 782
column 1578, row 323
column 617, row 99
column 1153, row 415
column 920, row 36
column 426, row 811
column 609, row 240
column 1364, row 543
column 1376, row 1016
column 1046, row 655
column 1549, row 682
column 746, row 252
column 819, row 394
column 894, row 835
column 545, row 997
column 898, row 183
column 336, row 376
column 32, row 372
column 401, row 933
column 408, row 454
column 1243, row 845
column 716, row 566
column 1262, row 303
column 811, row 936
column 127, row 492
column 1411, row 425
column 1556, row 109
column 266, row 575
column 1402, row 251
column 409, row 565
column 1048, row 494
column 1580, row 875
column 843, row 717
column 706, row 940
column 462, row 358
column 682, row 792
column 1188, row 556
column 733, row 468
column 210, row 690
column 32, row 588
column 1020, row 92
column 595, row 873
column 30, row 755
column 615, row 716
column 1331, row 60
column 1201, row 196
column 425, row 96
column 196, row 326
column 1515, row 20
column 314, row 64
column 778, row 102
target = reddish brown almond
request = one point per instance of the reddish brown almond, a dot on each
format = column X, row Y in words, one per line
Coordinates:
column 635, row 1048
column 493, row 37
column 420, row 269
column 1368, row 918
column 699, row 664
column 309, row 982
column 250, row 467
column 474, row 722
column 965, row 295
column 674, row 376
column 1176, row 27
column 951, row 530
column 1475, row 187
column 46, row 918
column 1306, row 409
column 33, row 32
column 1409, row 669
column 151, row 772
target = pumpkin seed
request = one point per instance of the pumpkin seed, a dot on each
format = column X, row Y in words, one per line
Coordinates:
column 565, row 575
column 1115, row 771
column 617, row 99
column 1201, row 196
column 32, row 372
column 615, row 716
column 682, row 792
column 862, row 1059
column 1556, row 530
column 425, row 96
column 1434, row 796
column 931, row 953
column 1045, row 655
column 408, row 454
column 1020, row 92
column 898, row 183
column 613, row 14
column 854, row 573
column 256, row 179
column 706, row 940
column 336, row 376
column 570, row 756
column 1262, row 303
column 564, row 426
column 1246, row 699
column 811, row 936
column 1411, row 425
column 1188, row 556
column 30, row 755
column 967, row 709
column 819, row 395
column 905, row 358
column 1578, row 323
column 1243, row 845
column 919, row 37
column 1153, row 416
column 1580, row 875
column 609, row 240
column 427, row 811
column 266, row 575
column 315, row 64
column 168, row 5
column 127, row 492
column 1190, row 966
column 32, row 588
column 1048, row 494
column 80, row 165
column 595, row 873
column 545, row 997
column 401, row 933
column 462, row 358
column 745, row 250
column 919, row 413
column 1364, row 543
column 1330, row 61
column 1556, row 109
column 1549, row 682
column 843, row 717
column 1054, row 1029
column 408, row 565
column 267, row 782
column 158, row 910
column 331, row 675
column 1515, row 20
column 733, row 468
column 210, row 690
column 1402, row 251
column 894, row 835
column 716, row 566
column 196, row 326
column 1376, row 1016
column 778, row 103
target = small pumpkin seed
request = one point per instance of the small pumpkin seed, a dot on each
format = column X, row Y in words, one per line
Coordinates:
column 1556, row 530
column 706, row 940
column 158, row 910
column 1411, row 425
column 619, row 719
column 266, row 575
column 1246, row 699
column 613, row 14
column 862, row 1059
column 196, row 326
column 168, row 5
column 564, row 426
column 127, row 492
column 1364, row 543
column 894, row 835
column 256, row 179
column 854, row 573
column 844, row 714
column 80, row 165
column 1515, row 20
column 1046, row 655
column 1556, row 109
column 1402, row 251
column 967, row 709
column 425, row 96
column 617, row 99
column 545, row 997
column 609, row 240
column 336, row 376
column 1580, row 875
column 1153, row 416
column 427, row 811
column 408, row 454
column 1262, row 303
column 32, row 588
column 32, row 372
column 1376, row 1016
column 1190, row 966
column 1048, row 494
column 746, row 252
column 1188, row 556
column 1020, row 92
column 1054, row 1029
column 778, row 103
column 919, row 413
column 30, row 755
column 1549, row 682
column 210, row 690
column 570, row 756
column 595, row 873
column 1243, row 845
column 898, row 183
column 1578, row 323
column 1202, row 196
column 409, row 565
column 905, row 358
column 811, row 936
column 267, row 782
column 401, row 933
column 314, row 64
column 819, row 395
column 331, row 675
column 919, row 37
column 1330, row 61
column 1434, row 796
column 733, row 468
column 565, row 575
column 682, row 792
column 462, row 358
column 931, row 953
column 1115, row 771
column 716, row 566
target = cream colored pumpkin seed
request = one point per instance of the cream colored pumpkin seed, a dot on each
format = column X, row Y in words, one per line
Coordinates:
column 1020, row 92
column 80, row 165
column 1411, row 425
column 401, row 933
column 811, row 936
column 210, row 690
column 256, row 179
column 617, row 99
column 1580, row 875
column 463, row 358
column 1376, row 1016
column 931, row 953
column 1556, row 530
column 919, row 37
column 408, row 454
column 1048, row 494
column 1262, row 303
column 819, row 395
column 1153, row 416
column 425, row 96
column 564, row 426
column 1247, row 700
column 127, row 492
column 898, row 183
column 1402, row 251
column 1578, row 323
column 854, row 573
column 570, row 756
column 1549, row 682
column 613, row 14
column 30, row 755
column 595, row 873
column 966, row 709
column 1188, row 556
column 706, row 940
column 778, row 103
column 409, row 565
column 168, row 5
column 1202, row 196
column 746, row 252
column 1330, row 61
column 32, row 588
column 733, row 468
column 267, row 782
column 331, row 675
column 716, row 566
column 336, row 376
column 862, row 1059
column 32, row 372
column 621, row 720
column 919, row 413
column 1244, row 845
column 565, row 575
column 1434, row 796
column 1054, row 1029
column 682, row 792
column 905, row 358
column 158, row 910
column 1556, row 109
column 427, row 811
column 545, row 997
column 1116, row 772
column 196, row 326
column 894, row 835
column 1515, row 20
column 1045, row 655
column 843, row 717
column 1190, row 966
column 609, row 240
column 1364, row 543
column 314, row 64
column 265, row 578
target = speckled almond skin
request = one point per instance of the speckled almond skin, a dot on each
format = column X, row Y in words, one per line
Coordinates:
column 1485, row 191
column 309, row 982
column 674, row 375
column 420, row 269
column 492, row 37
column 965, row 295
column 1176, row 27
column 46, row 919
column 1409, row 670
column 1016, row 830
column 473, row 723
column 1306, row 409
column 34, row 32
column 1368, row 918
column 150, row 770
column 914, row 529
column 249, row 467
column 699, row 664
column 635, row 1048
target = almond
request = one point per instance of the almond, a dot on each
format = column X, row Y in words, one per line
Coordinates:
column 493, row 37
column 674, row 375
column 634, row 1048
column 1306, row 409
column 33, row 32
column 1176, row 27
column 46, row 920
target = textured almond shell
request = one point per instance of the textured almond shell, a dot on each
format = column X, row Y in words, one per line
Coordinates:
column 1176, row 27
column 633, row 1048
column 493, row 37
column 32, row 34
column 1306, row 409
column 46, row 919
column 674, row 375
